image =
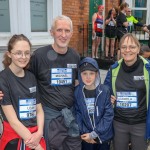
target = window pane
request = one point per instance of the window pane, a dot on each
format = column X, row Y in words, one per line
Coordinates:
column 38, row 15
column 140, row 15
column 140, row 3
column 4, row 16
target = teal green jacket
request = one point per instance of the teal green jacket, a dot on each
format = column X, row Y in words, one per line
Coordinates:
column 110, row 81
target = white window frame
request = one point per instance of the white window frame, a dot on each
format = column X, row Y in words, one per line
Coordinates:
column 142, row 8
column 20, row 21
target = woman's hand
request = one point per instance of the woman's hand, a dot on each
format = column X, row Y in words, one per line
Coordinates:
column 113, row 99
column 34, row 140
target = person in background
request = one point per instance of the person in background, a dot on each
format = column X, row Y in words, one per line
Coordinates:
column 128, row 80
column 110, row 32
column 122, row 24
column 147, row 29
column 97, row 30
column 132, row 21
column 145, row 51
column 23, row 116
column 93, row 108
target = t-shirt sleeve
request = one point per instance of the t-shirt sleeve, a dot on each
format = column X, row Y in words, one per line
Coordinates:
column 4, row 87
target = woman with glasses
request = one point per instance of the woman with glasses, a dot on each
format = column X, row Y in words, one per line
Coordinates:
column 128, row 80
column 21, row 109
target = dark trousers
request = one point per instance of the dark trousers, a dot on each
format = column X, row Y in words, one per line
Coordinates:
column 58, row 136
column 88, row 146
column 125, row 133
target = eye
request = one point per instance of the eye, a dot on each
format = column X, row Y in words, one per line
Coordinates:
column 67, row 31
column 59, row 30
column 19, row 53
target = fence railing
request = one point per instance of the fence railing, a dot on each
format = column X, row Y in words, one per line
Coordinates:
column 87, row 39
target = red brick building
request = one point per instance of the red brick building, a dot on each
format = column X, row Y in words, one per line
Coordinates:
column 79, row 12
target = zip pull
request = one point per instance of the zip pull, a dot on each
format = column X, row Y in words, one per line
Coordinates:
column 97, row 111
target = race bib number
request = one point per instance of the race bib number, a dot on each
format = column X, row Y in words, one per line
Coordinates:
column 127, row 100
column 130, row 23
column 100, row 26
column 90, row 105
column 111, row 23
column 61, row 76
column 27, row 108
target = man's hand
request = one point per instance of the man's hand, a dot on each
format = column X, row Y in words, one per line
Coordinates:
column 1, row 95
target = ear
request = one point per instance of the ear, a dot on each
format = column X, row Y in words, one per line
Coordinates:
column 52, row 33
column 71, row 34
column 8, row 54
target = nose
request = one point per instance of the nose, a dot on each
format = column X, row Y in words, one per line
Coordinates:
column 23, row 55
column 63, row 33
column 127, row 49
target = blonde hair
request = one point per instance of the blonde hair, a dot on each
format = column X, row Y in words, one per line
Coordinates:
column 62, row 17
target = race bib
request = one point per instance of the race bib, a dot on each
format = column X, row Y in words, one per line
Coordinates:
column 27, row 108
column 90, row 105
column 130, row 23
column 100, row 26
column 61, row 76
column 111, row 23
column 127, row 100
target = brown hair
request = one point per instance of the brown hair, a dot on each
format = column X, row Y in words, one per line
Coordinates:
column 14, row 39
column 123, row 5
column 133, row 39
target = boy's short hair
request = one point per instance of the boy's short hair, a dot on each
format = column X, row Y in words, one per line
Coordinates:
column 87, row 66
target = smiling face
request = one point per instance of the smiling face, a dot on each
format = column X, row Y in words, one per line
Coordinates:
column 129, row 51
column 62, row 34
column 20, row 55
column 88, row 78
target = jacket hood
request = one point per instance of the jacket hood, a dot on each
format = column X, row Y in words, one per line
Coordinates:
column 92, row 62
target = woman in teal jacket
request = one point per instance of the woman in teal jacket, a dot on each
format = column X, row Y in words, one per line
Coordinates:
column 128, row 80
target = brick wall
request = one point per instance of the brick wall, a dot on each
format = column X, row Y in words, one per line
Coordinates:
column 111, row 3
column 78, row 11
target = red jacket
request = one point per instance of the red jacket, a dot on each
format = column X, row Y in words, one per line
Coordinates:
column 9, row 134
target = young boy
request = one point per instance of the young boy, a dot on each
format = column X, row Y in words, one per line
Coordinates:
column 94, row 112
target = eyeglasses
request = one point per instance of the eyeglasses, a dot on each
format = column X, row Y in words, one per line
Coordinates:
column 131, row 47
column 20, row 54
column 129, row 11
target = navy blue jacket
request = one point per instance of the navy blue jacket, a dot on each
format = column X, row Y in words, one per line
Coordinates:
column 103, row 112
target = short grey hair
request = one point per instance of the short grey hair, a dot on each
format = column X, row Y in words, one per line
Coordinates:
column 62, row 17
